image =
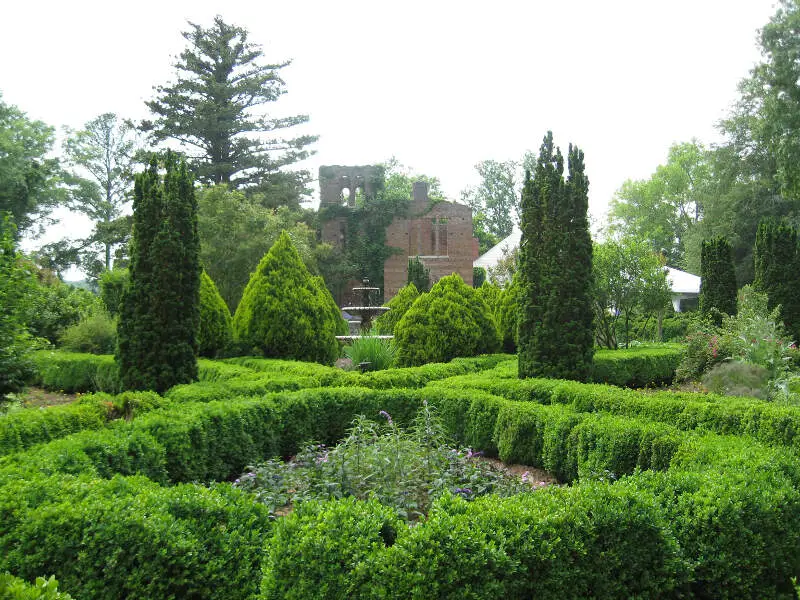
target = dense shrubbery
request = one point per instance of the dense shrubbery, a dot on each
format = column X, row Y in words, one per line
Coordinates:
column 13, row 588
column 285, row 312
column 215, row 330
column 637, row 367
column 447, row 322
column 75, row 372
column 399, row 305
column 707, row 513
column 95, row 334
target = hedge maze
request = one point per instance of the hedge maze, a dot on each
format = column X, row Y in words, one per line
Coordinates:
column 667, row 495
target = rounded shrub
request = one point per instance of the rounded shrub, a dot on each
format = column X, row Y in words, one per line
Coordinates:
column 507, row 316
column 216, row 329
column 399, row 305
column 284, row 312
column 447, row 322
column 95, row 334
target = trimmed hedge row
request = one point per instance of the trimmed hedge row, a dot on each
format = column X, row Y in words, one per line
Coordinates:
column 25, row 428
column 73, row 372
column 716, row 487
column 767, row 422
column 207, row 391
column 411, row 377
column 637, row 367
column 130, row 538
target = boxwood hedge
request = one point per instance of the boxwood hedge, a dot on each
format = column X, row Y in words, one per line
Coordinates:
column 666, row 502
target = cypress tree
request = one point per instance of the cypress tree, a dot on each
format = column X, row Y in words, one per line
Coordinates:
column 160, row 313
column 419, row 275
column 777, row 261
column 555, row 325
column 718, row 288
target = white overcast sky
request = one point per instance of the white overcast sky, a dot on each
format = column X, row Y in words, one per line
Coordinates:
column 439, row 84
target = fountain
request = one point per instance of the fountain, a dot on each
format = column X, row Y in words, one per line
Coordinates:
column 366, row 311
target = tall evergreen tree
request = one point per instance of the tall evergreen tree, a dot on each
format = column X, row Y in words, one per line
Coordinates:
column 555, row 327
column 212, row 110
column 160, row 312
column 718, row 289
column 777, row 261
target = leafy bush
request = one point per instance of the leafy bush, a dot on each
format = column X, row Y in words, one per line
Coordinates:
column 377, row 352
column 51, row 308
column 215, row 330
column 403, row 469
column 284, row 312
column 13, row 588
column 507, row 314
column 737, row 379
column 447, row 322
column 94, row 334
column 399, row 305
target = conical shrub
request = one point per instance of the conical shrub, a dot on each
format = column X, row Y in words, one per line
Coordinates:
column 216, row 328
column 284, row 312
column 449, row 321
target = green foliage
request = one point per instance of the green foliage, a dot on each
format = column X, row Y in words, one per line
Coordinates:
column 495, row 201
column 402, row 469
column 629, row 280
column 95, row 334
column 216, row 330
column 103, row 154
column 52, row 306
column 220, row 76
column 718, row 289
column 777, row 262
column 160, row 309
column 637, row 367
column 401, row 302
column 478, row 276
column 236, row 230
column 112, row 287
column 507, row 315
column 28, row 178
column 664, row 208
column 737, row 379
column 327, row 541
column 378, row 353
column 555, row 269
column 15, row 366
column 448, row 321
column 75, row 372
column 13, row 588
column 285, row 312
column 419, row 275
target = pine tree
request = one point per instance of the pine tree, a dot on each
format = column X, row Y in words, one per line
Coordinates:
column 555, row 333
column 718, row 288
column 212, row 109
column 160, row 313
column 777, row 261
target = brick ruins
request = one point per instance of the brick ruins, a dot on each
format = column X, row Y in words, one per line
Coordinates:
column 440, row 233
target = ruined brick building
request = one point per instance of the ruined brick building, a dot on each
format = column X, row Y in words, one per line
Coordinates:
column 440, row 233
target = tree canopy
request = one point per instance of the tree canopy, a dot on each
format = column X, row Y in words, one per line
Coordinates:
column 29, row 177
column 212, row 110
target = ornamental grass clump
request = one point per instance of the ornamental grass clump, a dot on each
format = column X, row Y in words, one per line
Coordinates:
column 402, row 469
column 374, row 352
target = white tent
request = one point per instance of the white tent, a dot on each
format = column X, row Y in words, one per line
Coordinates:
column 684, row 285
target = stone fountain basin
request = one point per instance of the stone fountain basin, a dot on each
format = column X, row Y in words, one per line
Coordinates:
column 363, row 309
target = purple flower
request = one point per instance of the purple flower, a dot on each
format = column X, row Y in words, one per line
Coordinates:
column 470, row 453
column 525, row 476
column 383, row 413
